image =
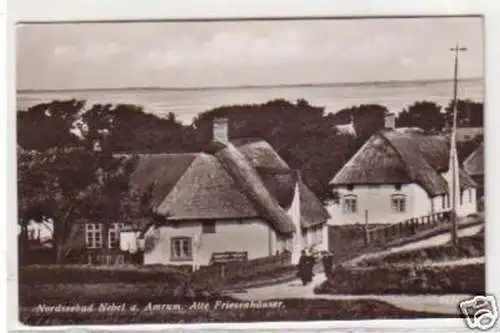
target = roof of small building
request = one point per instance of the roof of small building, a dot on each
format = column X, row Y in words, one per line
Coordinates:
column 401, row 157
column 243, row 179
column 474, row 163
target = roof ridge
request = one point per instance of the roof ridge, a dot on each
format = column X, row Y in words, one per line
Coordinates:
column 277, row 216
column 412, row 175
column 474, row 153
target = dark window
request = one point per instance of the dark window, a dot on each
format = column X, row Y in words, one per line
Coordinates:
column 208, row 227
column 350, row 204
column 93, row 235
column 181, row 248
column 114, row 235
column 350, row 187
column 398, row 203
column 397, row 187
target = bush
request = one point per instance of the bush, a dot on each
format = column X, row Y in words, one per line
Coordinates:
column 98, row 274
column 467, row 279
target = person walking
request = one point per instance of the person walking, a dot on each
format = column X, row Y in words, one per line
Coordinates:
column 310, row 261
column 302, row 267
column 327, row 260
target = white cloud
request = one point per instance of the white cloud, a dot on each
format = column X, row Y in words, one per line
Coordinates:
column 229, row 49
column 62, row 50
column 93, row 51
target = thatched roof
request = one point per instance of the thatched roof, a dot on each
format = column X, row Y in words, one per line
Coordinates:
column 474, row 163
column 401, row 157
column 244, row 180
column 159, row 173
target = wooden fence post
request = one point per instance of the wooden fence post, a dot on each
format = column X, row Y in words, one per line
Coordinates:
column 367, row 234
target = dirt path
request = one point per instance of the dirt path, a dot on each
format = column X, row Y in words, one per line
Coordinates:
column 446, row 304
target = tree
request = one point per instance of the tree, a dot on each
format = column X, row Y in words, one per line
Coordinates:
column 122, row 127
column 469, row 113
column 49, row 125
column 367, row 118
column 68, row 184
column 423, row 114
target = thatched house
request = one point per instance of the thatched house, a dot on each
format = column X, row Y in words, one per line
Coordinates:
column 399, row 174
column 238, row 197
column 474, row 166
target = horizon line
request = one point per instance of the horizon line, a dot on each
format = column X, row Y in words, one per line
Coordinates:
column 235, row 87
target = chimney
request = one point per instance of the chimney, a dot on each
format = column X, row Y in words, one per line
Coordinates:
column 390, row 121
column 220, row 130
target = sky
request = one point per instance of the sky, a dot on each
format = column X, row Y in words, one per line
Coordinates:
column 207, row 54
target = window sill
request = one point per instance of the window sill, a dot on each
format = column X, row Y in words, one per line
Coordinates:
column 181, row 259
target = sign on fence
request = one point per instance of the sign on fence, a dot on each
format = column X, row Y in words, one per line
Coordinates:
column 227, row 257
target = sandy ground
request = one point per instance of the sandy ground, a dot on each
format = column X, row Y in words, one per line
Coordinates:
column 447, row 304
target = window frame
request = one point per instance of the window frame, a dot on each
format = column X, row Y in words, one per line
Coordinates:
column 91, row 231
column 350, row 208
column 115, row 229
column 396, row 200
column 182, row 256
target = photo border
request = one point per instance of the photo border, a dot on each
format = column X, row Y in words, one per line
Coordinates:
column 129, row 10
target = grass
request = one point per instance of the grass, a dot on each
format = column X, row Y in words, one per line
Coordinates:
column 466, row 279
column 290, row 310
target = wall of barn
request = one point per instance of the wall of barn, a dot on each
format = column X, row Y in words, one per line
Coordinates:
column 253, row 236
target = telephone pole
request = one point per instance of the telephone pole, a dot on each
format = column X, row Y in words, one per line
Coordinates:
column 453, row 150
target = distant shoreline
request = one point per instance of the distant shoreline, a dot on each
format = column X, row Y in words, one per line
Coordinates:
column 298, row 85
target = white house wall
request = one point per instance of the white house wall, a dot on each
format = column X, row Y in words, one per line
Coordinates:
column 251, row 235
column 469, row 204
column 377, row 201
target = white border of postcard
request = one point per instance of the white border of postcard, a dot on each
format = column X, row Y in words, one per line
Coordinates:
column 110, row 10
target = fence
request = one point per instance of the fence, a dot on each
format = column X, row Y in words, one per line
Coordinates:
column 108, row 257
column 217, row 274
column 351, row 239
column 384, row 234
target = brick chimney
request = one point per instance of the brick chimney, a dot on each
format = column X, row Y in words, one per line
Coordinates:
column 390, row 121
column 220, row 130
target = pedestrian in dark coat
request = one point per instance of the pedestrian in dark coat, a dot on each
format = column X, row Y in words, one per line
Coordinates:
column 302, row 267
column 309, row 267
column 327, row 260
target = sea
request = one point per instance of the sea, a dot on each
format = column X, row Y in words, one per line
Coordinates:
column 187, row 103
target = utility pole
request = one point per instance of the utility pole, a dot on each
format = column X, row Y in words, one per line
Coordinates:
column 453, row 150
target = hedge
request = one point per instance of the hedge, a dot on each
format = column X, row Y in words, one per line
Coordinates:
column 466, row 279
